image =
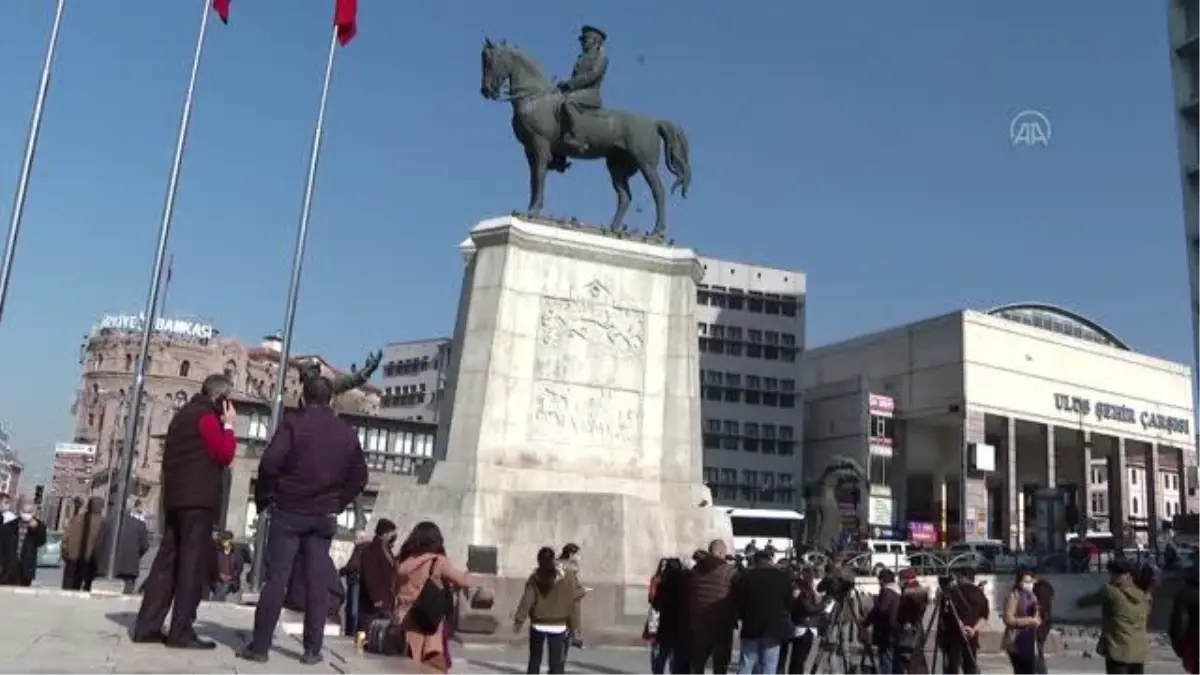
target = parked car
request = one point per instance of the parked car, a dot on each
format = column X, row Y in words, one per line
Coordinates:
column 50, row 554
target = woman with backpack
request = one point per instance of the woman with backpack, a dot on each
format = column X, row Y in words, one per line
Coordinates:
column 550, row 604
column 425, row 585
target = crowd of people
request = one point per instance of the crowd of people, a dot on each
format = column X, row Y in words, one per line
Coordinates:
column 402, row 599
column 788, row 621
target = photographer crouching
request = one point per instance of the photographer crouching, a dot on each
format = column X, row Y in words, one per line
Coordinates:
column 962, row 614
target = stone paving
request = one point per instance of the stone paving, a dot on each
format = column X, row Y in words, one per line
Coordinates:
column 51, row 631
column 57, row 632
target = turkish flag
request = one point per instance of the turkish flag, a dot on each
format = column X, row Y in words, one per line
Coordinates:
column 345, row 18
column 221, row 7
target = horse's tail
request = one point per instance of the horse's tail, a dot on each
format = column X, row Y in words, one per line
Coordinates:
column 676, row 144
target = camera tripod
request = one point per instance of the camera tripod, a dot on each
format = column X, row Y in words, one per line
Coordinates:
column 831, row 646
column 943, row 604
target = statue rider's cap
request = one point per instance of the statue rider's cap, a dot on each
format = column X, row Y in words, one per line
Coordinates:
column 594, row 31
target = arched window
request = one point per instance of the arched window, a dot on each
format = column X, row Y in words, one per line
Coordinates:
column 231, row 370
column 185, row 367
column 99, row 361
column 149, row 362
column 180, row 398
column 129, row 362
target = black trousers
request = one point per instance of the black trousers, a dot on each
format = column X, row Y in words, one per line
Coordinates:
column 1021, row 665
column 959, row 658
column 178, row 576
column 555, row 647
column 793, row 654
column 715, row 644
column 1121, row 668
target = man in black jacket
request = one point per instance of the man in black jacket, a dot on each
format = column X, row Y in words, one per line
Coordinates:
column 881, row 620
column 962, row 614
column 312, row 469
column 200, row 443
column 762, row 597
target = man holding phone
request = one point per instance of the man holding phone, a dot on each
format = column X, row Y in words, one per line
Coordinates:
column 200, row 443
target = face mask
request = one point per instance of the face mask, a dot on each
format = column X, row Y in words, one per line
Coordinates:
column 27, row 517
column 1027, row 586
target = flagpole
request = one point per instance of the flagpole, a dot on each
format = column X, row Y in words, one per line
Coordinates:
column 151, row 310
column 166, row 290
column 289, row 321
column 35, row 130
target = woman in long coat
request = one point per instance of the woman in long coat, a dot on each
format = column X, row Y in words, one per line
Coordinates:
column 422, row 557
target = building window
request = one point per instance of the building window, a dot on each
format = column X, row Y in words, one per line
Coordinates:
column 258, row 426
column 879, row 470
column 1099, row 503
column 727, row 488
column 786, row 492
column 129, row 362
column 750, row 485
column 185, row 367
column 1133, row 477
column 883, row 427
column 1136, row 508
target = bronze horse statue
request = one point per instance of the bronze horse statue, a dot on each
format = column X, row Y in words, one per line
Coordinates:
column 628, row 142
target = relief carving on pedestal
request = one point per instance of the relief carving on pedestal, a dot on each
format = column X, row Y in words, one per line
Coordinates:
column 591, row 416
column 589, row 370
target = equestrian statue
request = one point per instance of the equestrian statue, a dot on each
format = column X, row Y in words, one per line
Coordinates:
column 565, row 121
column 823, row 520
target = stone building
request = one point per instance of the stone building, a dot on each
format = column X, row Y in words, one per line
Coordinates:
column 181, row 355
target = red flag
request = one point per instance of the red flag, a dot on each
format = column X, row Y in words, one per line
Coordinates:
column 345, row 18
column 221, row 7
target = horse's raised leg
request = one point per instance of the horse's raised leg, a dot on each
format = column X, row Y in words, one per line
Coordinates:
column 538, row 156
column 620, row 169
column 650, row 173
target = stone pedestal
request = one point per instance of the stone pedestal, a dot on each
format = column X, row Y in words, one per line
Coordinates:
column 573, row 408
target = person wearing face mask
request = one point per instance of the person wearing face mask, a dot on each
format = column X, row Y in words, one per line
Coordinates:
column 20, row 539
column 1021, row 621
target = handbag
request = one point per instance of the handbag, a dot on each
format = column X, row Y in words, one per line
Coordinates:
column 431, row 605
column 650, row 629
column 382, row 638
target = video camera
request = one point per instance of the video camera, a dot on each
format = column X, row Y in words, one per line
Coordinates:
column 836, row 584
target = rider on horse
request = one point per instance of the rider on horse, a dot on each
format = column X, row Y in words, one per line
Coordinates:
column 582, row 91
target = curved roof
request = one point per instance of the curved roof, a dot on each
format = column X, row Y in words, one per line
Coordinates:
column 1058, row 320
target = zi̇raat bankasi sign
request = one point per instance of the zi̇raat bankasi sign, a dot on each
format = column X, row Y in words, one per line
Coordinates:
column 177, row 327
column 1121, row 413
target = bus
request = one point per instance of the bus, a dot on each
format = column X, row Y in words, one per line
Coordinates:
column 779, row 528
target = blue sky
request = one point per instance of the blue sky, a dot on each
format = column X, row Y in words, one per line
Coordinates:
column 864, row 143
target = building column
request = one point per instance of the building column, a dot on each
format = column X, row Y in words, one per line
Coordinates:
column 1085, row 486
column 1153, row 494
column 1050, row 456
column 1012, row 519
column 1118, row 492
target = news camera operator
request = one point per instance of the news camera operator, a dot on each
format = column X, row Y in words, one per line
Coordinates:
column 962, row 614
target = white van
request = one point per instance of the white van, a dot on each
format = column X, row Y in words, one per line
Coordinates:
column 874, row 555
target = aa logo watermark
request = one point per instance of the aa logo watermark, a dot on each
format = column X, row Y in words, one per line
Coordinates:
column 1030, row 128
